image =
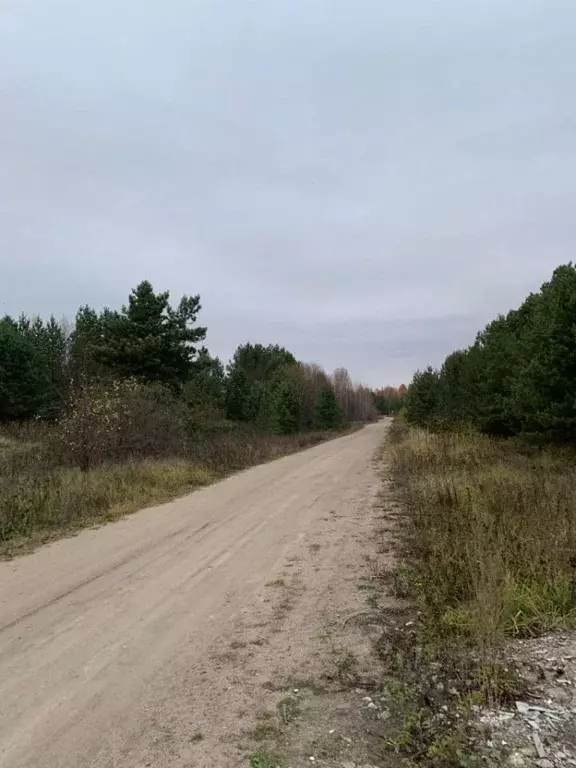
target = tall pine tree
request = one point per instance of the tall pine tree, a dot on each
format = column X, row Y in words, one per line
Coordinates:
column 148, row 339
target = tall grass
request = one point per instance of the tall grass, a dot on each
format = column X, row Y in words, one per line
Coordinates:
column 492, row 533
column 43, row 495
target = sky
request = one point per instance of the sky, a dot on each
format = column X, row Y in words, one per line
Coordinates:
column 365, row 182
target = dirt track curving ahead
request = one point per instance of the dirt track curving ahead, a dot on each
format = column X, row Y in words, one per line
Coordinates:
column 150, row 642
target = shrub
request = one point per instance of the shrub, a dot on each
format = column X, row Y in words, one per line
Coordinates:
column 120, row 419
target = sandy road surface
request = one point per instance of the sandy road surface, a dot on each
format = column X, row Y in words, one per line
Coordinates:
column 118, row 647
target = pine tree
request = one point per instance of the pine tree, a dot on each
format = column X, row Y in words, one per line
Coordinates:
column 518, row 378
column 23, row 379
column 289, row 406
column 423, row 399
column 148, row 339
column 86, row 341
column 267, row 418
column 252, row 368
column 51, row 344
column 205, row 388
column 544, row 388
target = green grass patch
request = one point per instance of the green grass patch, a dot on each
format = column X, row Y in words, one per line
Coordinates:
column 264, row 758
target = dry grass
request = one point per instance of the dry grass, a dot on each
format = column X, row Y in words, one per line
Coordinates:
column 36, row 509
column 489, row 542
column 493, row 533
column 42, row 500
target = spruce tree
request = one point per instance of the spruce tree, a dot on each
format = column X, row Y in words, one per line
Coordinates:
column 23, row 379
column 328, row 413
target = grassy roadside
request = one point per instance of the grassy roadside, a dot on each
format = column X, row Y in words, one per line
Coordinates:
column 487, row 545
column 473, row 546
column 40, row 503
column 67, row 500
column 493, row 534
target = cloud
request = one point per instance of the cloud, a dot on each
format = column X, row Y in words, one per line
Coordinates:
column 364, row 183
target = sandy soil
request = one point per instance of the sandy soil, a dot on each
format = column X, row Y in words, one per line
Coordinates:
column 154, row 641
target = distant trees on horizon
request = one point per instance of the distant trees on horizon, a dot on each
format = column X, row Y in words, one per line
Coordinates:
column 152, row 342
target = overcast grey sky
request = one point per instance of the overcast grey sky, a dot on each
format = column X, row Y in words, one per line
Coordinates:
column 366, row 182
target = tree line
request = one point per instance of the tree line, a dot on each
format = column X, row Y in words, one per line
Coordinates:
column 390, row 400
column 517, row 378
column 45, row 370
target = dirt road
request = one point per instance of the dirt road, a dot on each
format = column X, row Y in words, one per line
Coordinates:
column 152, row 641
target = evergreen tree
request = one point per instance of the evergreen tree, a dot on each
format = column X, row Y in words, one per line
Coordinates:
column 148, row 339
column 518, row 378
column 312, row 379
column 289, row 405
column 280, row 409
column 45, row 371
column 86, row 341
column 252, row 368
column 423, row 399
column 205, row 389
column 51, row 344
column 544, row 389
column 23, row 379
column 267, row 417
column 328, row 412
